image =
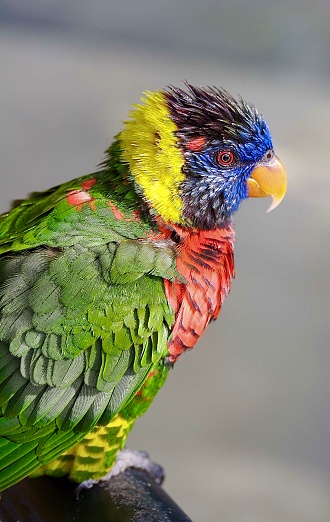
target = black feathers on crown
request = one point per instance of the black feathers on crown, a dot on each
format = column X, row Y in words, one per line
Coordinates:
column 211, row 112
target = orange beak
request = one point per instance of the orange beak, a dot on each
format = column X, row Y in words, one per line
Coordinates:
column 268, row 179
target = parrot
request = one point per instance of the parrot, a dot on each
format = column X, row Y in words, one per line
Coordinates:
column 106, row 280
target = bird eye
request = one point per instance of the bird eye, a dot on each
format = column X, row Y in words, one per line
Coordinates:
column 225, row 157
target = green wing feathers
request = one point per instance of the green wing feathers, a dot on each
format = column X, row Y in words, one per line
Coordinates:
column 83, row 323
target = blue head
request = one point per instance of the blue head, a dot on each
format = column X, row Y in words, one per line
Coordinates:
column 223, row 140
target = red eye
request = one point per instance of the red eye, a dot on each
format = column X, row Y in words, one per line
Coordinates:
column 225, row 157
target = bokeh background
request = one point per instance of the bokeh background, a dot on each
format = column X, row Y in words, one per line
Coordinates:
column 242, row 426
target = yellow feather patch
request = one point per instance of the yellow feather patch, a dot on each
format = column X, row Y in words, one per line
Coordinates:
column 150, row 148
column 94, row 456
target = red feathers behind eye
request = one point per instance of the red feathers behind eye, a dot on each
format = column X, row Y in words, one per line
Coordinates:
column 196, row 144
column 225, row 157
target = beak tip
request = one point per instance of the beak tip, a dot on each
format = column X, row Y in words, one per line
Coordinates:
column 275, row 203
column 268, row 180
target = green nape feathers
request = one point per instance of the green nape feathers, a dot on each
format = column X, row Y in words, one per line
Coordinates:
column 107, row 279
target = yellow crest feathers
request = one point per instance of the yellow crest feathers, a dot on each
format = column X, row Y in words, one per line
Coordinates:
column 149, row 146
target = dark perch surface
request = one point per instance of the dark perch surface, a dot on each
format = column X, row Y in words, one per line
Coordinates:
column 130, row 497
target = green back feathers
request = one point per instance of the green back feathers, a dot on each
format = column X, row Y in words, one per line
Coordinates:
column 84, row 315
column 75, row 212
column 79, row 335
column 83, row 312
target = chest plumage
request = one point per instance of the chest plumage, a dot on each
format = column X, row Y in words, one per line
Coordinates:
column 206, row 264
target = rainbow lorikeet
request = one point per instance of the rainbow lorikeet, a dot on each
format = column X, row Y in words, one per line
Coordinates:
column 107, row 279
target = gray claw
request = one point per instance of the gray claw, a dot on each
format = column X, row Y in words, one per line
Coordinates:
column 127, row 459
column 136, row 459
column 87, row 484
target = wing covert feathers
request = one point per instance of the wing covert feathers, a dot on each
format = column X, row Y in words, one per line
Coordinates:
column 81, row 329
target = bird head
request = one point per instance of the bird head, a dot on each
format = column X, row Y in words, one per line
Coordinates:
column 196, row 155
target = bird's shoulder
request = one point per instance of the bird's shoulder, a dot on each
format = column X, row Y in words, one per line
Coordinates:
column 89, row 209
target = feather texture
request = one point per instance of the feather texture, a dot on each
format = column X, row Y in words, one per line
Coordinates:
column 107, row 279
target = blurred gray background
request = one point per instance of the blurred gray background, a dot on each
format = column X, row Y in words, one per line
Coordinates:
column 242, row 426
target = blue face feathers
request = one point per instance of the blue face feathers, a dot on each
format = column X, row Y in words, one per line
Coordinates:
column 222, row 139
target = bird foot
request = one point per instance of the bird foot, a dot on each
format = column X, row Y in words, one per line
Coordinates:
column 127, row 459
